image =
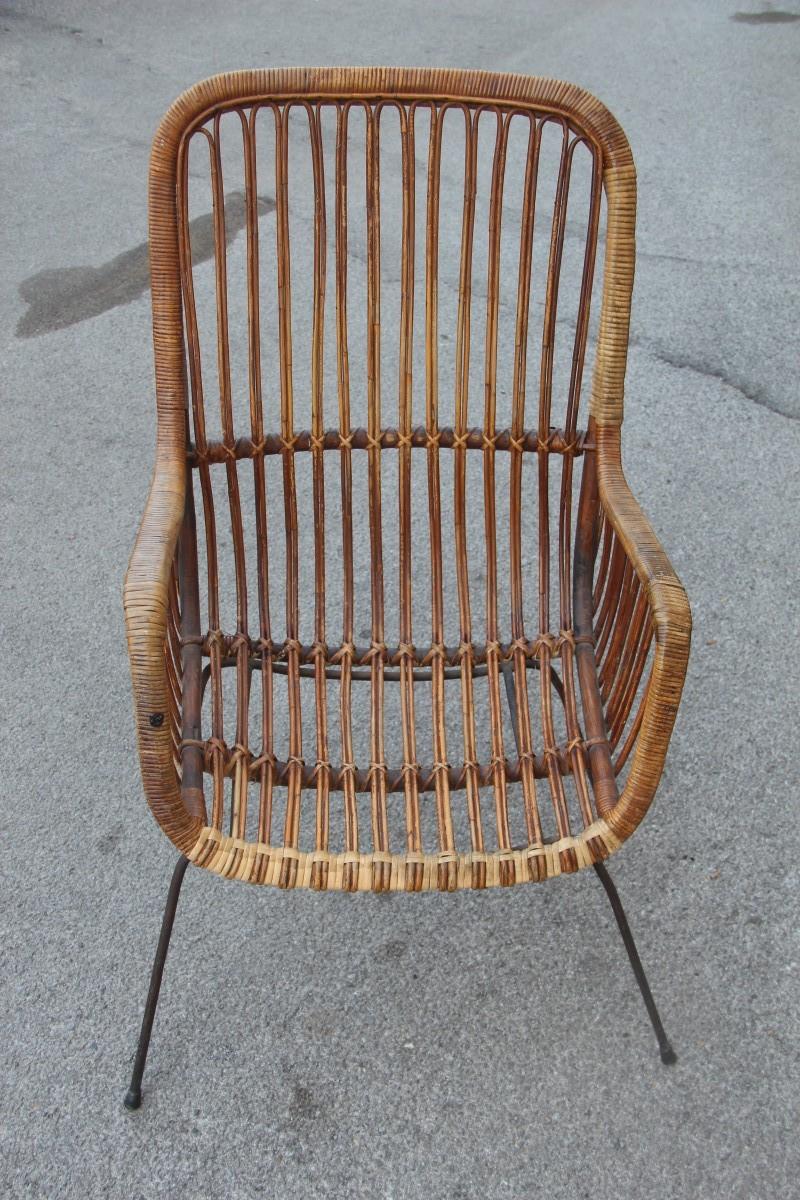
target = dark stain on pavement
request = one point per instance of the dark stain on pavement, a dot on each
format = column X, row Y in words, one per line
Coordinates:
column 304, row 1106
column 110, row 841
column 772, row 16
column 392, row 950
column 68, row 295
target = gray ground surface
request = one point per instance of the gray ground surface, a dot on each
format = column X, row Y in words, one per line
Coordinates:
column 462, row 1047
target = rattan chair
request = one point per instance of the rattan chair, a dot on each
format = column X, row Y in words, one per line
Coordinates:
column 375, row 506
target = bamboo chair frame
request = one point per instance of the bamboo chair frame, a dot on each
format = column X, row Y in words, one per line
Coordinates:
column 612, row 651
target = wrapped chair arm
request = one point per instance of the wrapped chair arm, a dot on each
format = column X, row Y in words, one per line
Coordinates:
column 147, row 605
column 670, row 617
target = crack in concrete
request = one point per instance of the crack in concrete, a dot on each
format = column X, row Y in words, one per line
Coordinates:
column 685, row 363
column 7, row 13
column 74, row 33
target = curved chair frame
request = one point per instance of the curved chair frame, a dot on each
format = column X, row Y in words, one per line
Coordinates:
column 165, row 549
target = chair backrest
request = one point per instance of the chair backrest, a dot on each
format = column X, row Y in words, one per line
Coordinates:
column 386, row 259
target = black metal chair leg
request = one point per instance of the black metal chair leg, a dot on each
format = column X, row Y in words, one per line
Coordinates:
column 668, row 1055
column 133, row 1096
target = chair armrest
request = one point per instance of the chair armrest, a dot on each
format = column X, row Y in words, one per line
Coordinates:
column 146, row 603
column 672, row 623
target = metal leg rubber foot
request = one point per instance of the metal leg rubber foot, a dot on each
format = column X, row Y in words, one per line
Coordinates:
column 133, row 1096
column 668, row 1055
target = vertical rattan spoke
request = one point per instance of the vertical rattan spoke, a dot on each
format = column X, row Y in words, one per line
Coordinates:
column 193, row 757
column 604, row 533
column 404, row 392
column 444, row 816
column 292, row 823
column 215, row 751
column 460, row 489
column 318, row 469
column 172, row 658
column 617, row 582
column 380, row 820
column 545, row 402
column 615, row 644
column 629, row 673
column 238, row 815
column 524, row 733
column 490, row 520
column 343, row 390
column 575, row 742
column 265, row 770
column 633, row 732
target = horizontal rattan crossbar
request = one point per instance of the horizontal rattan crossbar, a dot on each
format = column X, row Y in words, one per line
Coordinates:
column 395, row 620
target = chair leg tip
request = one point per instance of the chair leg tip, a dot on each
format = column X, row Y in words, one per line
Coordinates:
column 668, row 1056
column 133, row 1098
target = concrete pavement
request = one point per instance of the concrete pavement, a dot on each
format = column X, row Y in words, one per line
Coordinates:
column 466, row 1047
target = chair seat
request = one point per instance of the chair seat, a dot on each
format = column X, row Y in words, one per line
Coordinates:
column 478, row 800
